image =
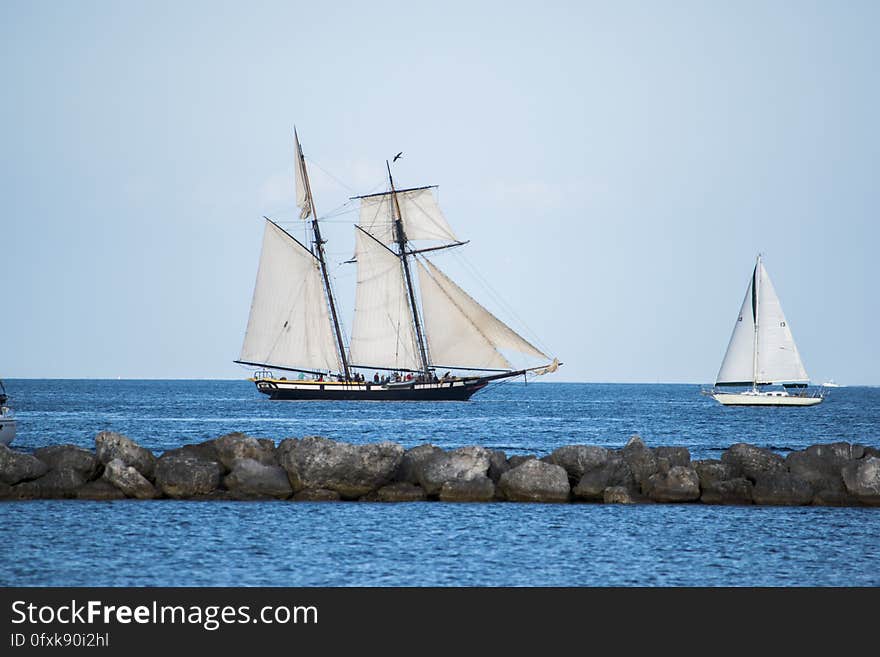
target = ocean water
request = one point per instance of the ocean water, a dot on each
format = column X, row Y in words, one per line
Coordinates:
column 179, row 543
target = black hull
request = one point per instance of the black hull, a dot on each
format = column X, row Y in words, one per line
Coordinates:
column 455, row 393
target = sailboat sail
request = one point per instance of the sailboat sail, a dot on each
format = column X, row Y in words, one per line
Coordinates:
column 303, row 198
column 289, row 325
column 382, row 333
column 421, row 216
column 777, row 359
column 461, row 332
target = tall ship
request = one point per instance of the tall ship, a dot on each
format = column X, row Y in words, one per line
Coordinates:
column 415, row 336
column 762, row 365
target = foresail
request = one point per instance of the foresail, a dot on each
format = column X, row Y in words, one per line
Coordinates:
column 422, row 217
column 382, row 333
column 737, row 368
column 289, row 325
column 778, row 357
column 460, row 331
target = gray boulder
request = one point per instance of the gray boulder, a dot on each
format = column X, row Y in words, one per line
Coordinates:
column 727, row 491
column 462, row 464
column 535, row 481
column 182, row 476
column 834, row 498
column 253, row 478
column 782, row 489
column 69, row 458
column 640, row 459
column 317, row 495
column 414, row 459
column 752, row 462
column 618, row 495
column 205, row 450
column 668, row 457
column 519, row 459
column 237, row 446
column 99, row 489
column 351, row 470
column 862, row 480
column 127, row 479
column 400, row 491
column 498, row 465
column 18, row 466
column 480, row 489
column 679, row 484
column 55, row 484
column 821, row 465
column 110, row 445
column 578, row 459
column 615, row 473
column 712, row 471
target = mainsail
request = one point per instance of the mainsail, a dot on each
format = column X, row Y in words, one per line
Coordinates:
column 421, row 216
column 382, row 334
column 460, row 332
column 761, row 349
column 289, row 325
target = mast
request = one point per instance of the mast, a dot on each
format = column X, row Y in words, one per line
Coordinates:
column 400, row 236
column 755, row 285
column 319, row 254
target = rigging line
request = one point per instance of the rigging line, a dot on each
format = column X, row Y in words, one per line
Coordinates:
column 500, row 301
column 328, row 173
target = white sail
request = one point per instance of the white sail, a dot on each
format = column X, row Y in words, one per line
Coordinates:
column 777, row 360
column 778, row 357
column 739, row 364
column 422, row 217
column 289, row 325
column 382, row 333
column 460, row 332
column 303, row 202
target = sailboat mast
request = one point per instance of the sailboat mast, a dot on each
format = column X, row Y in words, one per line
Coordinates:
column 756, row 283
column 325, row 276
column 401, row 243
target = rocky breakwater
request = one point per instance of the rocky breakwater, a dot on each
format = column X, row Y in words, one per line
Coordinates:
column 241, row 467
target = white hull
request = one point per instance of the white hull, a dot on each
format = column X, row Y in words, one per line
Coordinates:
column 763, row 399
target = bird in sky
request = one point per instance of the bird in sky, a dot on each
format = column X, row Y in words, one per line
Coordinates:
column 397, row 157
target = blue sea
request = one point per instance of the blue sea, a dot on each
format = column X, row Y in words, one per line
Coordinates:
column 180, row 543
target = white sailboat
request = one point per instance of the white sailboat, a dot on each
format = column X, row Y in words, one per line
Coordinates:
column 408, row 335
column 762, row 353
column 7, row 418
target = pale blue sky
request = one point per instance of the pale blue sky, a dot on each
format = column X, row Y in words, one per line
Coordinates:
column 617, row 166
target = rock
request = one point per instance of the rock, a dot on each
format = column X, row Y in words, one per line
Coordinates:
column 752, row 462
column 519, row 459
column 110, row 445
column 18, row 466
column 205, row 450
column 712, row 471
column 672, row 456
column 617, row 495
column 55, row 484
column 251, row 477
column 414, row 459
column 99, row 489
column 578, row 459
column 679, row 484
column 69, row 458
column 480, row 489
column 862, row 479
column 400, row 491
column 236, row 446
column 640, row 459
column 615, row 473
column 351, row 470
column 782, row 489
column 727, row 491
column 181, row 476
column 535, row 481
column 834, row 498
column 462, row 464
column 317, row 495
column 872, row 451
column 498, row 465
column 820, row 465
column 127, row 479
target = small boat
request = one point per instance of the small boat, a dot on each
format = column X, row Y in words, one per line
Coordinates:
column 7, row 418
column 831, row 383
column 762, row 353
column 411, row 320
